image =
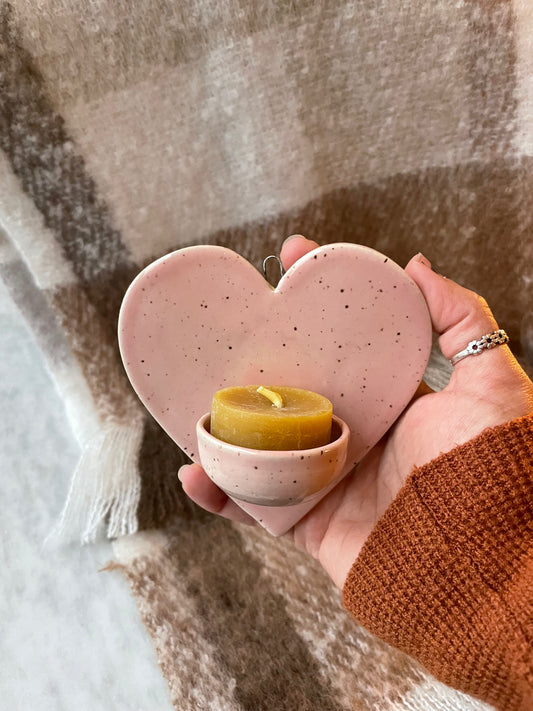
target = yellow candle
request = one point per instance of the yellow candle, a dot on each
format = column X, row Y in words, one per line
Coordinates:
column 274, row 418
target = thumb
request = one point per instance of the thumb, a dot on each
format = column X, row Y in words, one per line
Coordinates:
column 294, row 248
column 458, row 316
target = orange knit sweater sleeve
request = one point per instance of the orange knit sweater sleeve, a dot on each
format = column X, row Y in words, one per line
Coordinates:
column 447, row 573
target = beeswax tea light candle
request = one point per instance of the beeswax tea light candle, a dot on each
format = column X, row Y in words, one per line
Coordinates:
column 271, row 418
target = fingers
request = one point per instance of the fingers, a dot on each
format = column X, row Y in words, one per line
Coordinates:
column 500, row 388
column 458, row 316
column 294, row 248
column 199, row 487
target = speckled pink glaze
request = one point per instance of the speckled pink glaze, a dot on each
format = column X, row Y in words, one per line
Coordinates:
column 273, row 478
column 344, row 321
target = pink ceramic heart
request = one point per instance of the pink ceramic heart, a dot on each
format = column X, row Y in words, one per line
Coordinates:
column 344, row 321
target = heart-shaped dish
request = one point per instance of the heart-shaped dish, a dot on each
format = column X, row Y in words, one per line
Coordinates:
column 344, row 321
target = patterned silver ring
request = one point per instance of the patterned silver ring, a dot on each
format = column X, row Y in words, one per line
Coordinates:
column 490, row 340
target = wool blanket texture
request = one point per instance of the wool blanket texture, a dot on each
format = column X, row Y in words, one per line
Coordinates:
column 130, row 129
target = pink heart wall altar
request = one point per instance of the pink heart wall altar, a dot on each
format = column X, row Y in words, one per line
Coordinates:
column 344, row 321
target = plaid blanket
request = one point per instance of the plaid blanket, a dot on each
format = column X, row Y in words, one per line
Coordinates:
column 128, row 130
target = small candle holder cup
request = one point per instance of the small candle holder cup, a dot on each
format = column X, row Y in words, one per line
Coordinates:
column 272, row 477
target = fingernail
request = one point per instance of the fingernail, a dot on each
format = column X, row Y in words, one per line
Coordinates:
column 423, row 260
column 291, row 237
column 180, row 472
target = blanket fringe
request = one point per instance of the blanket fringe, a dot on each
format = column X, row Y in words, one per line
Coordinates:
column 105, row 488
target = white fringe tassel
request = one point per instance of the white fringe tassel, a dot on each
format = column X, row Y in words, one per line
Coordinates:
column 106, row 485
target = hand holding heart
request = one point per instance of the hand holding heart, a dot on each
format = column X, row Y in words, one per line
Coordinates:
column 483, row 392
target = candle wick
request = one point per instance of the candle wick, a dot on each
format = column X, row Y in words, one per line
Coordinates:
column 275, row 398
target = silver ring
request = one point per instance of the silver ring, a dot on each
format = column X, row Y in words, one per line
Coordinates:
column 490, row 340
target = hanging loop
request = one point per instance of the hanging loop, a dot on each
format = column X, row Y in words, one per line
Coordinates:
column 278, row 260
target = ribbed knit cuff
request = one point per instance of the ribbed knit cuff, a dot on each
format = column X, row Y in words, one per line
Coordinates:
column 447, row 573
